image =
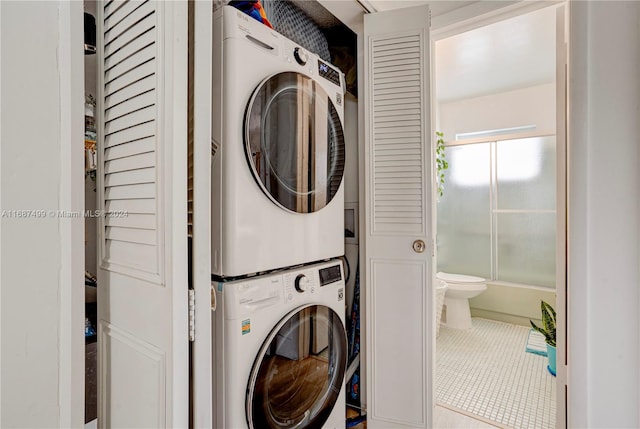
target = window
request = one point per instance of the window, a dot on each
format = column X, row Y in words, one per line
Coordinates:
column 492, row 133
column 497, row 217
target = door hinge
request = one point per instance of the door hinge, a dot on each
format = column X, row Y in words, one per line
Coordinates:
column 192, row 315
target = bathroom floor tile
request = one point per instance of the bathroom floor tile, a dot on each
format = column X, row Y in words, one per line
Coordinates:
column 488, row 365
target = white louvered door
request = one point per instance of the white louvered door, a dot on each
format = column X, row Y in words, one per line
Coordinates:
column 398, row 292
column 142, row 295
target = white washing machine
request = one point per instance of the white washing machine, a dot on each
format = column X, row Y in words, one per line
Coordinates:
column 280, row 350
column 278, row 151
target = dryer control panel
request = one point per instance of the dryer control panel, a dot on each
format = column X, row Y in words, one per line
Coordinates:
column 329, row 73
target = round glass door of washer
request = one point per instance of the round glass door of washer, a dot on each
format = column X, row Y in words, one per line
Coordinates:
column 294, row 142
column 299, row 371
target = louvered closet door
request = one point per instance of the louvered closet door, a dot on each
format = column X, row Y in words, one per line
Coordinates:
column 142, row 280
column 397, row 169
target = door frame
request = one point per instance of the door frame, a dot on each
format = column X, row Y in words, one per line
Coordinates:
column 49, row 294
column 456, row 22
column 72, row 292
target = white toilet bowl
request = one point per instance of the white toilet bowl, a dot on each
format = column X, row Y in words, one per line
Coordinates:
column 459, row 289
column 441, row 290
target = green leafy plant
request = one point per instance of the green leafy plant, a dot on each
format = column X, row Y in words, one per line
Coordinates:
column 548, row 328
column 441, row 162
column 90, row 99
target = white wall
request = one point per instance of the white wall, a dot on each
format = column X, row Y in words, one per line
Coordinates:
column 604, row 217
column 527, row 106
column 510, row 303
column 41, row 258
column 351, row 186
column 351, row 148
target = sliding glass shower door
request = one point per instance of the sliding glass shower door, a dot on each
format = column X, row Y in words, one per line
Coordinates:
column 497, row 216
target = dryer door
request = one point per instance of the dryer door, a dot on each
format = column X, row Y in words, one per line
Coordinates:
column 294, row 142
column 299, row 372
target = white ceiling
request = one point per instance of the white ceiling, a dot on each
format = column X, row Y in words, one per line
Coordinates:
column 508, row 55
column 437, row 7
column 511, row 54
column 350, row 12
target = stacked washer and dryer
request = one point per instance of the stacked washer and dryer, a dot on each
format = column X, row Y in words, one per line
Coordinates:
column 279, row 346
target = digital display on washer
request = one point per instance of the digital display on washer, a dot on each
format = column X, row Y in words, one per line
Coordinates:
column 328, row 73
column 330, row 275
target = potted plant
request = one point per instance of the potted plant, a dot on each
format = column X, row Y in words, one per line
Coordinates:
column 548, row 329
column 441, row 162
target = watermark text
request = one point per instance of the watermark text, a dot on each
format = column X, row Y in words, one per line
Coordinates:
column 61, row 214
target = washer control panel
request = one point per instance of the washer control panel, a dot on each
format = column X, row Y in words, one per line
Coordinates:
column 301, row 283
column 310, row 280
column 330, row 275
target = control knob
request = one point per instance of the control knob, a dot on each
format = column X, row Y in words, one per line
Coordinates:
column 300, row 56
column 301, row 283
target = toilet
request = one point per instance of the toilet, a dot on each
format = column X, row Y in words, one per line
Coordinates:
column 459, row 289
column 441, row 290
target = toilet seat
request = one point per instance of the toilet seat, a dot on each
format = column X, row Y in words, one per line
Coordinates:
column 460, row 278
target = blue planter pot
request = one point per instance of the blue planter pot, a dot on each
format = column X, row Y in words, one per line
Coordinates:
column 551, row 354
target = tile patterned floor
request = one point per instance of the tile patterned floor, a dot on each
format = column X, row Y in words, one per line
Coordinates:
column 485, row 371
column 444, row 418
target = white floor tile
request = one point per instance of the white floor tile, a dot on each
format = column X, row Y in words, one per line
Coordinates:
column 486, row 371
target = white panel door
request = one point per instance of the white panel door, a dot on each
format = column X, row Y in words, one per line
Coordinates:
column 142, row 295
column 398, row 292
column 200, row 93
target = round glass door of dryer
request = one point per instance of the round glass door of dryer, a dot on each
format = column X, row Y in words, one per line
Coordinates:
column 299, row 372
column 294, row 142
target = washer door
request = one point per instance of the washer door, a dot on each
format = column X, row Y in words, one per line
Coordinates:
column 294, row 142
column 299, row 372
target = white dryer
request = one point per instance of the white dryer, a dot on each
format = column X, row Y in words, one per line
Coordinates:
column 278, row 151
column 280, row 350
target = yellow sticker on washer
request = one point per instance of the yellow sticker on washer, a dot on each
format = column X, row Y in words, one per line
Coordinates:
column 246, row 326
